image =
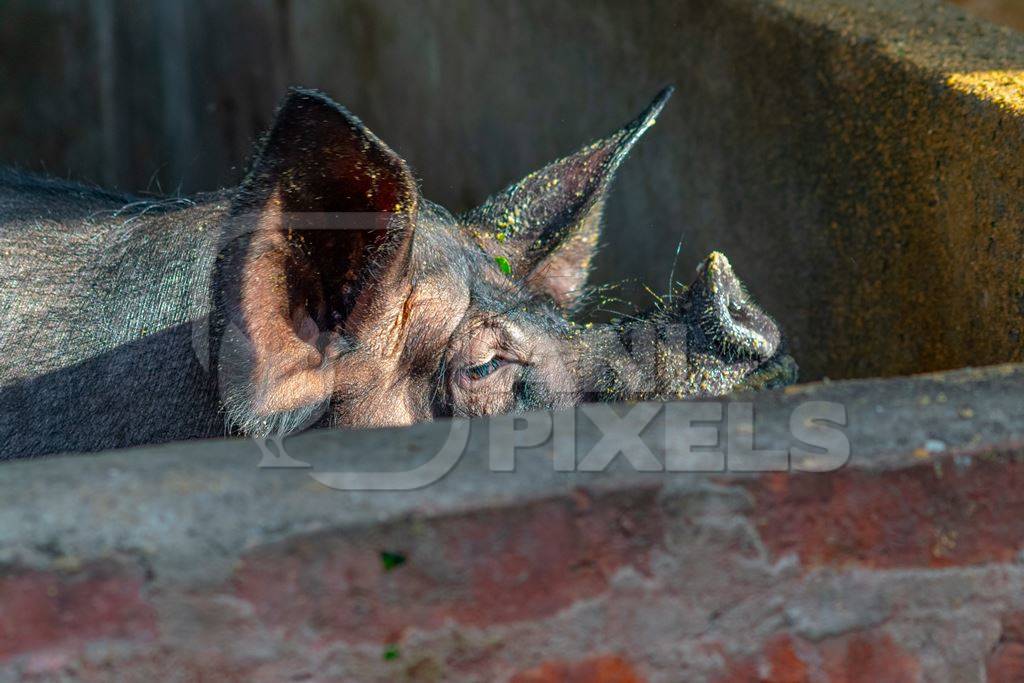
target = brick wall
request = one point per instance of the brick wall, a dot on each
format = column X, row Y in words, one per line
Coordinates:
column 187, row 562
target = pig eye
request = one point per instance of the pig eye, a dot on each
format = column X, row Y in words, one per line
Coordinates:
column 484, row 369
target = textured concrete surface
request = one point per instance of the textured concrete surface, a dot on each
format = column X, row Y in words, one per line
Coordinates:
column 859, row 161
column 188, row 562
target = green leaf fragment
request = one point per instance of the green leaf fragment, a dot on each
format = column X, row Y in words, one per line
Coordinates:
column 503, row 265
column 390, row 653
column 390, row 560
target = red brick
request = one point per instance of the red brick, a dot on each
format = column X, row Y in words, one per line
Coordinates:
column 1006, row 663
column 51, row 609
column 932, row 515
column 858, row 658
column 1013, row 627
column 868, row 658
column 778, row 663
column 494, row 566
column 608, row 669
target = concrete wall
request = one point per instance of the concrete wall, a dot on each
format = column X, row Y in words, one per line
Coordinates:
column 189, row 563
column 860, row 162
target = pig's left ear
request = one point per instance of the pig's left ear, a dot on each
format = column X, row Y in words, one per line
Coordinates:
column 547, row 225
column 323, row 225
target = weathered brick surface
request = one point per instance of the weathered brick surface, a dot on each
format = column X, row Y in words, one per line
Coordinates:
column 859, row 658
column 1005, row 664
column 493, row 567
column 712, row 579
column 941, row 512
column 901, row 566
column 684, row 583
column 678, row 583
column 50, row 612
column 596, row 670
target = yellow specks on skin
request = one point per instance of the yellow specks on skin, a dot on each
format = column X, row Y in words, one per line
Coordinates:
column 507, row 223
column 1005, row 88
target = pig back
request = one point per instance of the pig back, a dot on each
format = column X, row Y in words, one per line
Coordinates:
column 103, row 298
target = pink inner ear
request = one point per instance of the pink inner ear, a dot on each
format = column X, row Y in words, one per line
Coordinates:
column 562, row 273
column 559, row 278
column 305, row 327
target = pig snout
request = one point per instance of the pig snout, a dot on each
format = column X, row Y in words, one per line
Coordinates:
column 728, row 317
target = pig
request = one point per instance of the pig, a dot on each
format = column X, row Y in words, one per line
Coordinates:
column 327, row 291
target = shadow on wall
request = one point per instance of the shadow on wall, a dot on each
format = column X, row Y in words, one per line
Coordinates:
column 869, row 202
column 1007, row 12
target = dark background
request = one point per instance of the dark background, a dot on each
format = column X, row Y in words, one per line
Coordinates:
column 169, row 96
column 807, row 153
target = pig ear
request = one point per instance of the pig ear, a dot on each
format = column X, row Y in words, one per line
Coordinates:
column 326, row 211
column 320, row 158
column 547, row 225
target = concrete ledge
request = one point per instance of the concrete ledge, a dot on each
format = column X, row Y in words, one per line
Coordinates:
column 190, row 558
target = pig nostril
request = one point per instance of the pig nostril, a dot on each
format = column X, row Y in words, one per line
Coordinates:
column 740, row 330
column 739, row 313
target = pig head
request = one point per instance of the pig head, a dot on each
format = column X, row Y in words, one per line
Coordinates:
column 342, row 297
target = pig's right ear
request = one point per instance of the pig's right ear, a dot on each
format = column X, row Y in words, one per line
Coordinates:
column 547, row 225
column 323, row 220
